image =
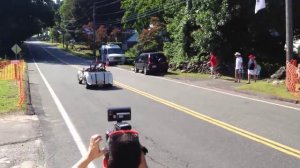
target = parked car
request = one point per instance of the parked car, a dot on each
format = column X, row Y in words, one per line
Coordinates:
column 152, row 62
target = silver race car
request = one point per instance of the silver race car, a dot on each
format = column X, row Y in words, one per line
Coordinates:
column 95, row 75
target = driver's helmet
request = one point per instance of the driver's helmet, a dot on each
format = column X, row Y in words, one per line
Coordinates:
column 100, row 65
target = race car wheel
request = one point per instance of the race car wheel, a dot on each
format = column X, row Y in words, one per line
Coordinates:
column 87, row 86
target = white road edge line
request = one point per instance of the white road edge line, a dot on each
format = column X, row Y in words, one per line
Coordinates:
column 64, row 114
column 222, row 92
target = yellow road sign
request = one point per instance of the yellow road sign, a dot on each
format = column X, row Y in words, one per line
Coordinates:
column 16, row 49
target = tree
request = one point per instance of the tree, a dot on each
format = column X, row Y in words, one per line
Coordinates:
column 116, row 35
column 22, row 19
column 137, row 13
column 101, row 34
column 152, row 38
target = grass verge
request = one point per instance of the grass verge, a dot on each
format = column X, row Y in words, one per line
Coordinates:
column 83, row 52
column 187, row 76
column 264, row 87
column 9, row 96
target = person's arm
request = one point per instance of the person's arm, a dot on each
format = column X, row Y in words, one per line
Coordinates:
column 82, row 163
column 93, row 152
column 143, row 163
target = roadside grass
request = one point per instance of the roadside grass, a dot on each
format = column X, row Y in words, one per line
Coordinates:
column 86, row 53
column 193, row 76
column 188, row 76
column 264, row 87
column 9, row 96
column 78, row 50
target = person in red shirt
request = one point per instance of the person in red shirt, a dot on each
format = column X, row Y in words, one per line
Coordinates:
column 213, row 65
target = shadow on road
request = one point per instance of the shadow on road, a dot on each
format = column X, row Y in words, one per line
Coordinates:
column 112, row 88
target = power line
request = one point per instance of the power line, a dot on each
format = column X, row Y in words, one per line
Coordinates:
column 152, row 11
column 148, row 12
column 112, row 13
column 98, row 2
column 134, row 16
column 145, row 14
column 101, row 6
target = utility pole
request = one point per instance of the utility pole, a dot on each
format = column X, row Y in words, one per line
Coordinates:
column 289, row 29
column 63, row 38
column 94, row 31
column 189, row 6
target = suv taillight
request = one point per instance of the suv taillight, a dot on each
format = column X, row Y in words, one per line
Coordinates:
column 149, row 60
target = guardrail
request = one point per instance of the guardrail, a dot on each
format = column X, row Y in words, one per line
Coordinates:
column 14, row 70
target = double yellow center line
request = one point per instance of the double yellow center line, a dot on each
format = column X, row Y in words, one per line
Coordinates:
column 275, row 145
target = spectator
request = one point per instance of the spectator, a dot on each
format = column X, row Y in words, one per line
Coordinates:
column 124, row 150
column 213, row 65
column 238, row 67
column 251, row 68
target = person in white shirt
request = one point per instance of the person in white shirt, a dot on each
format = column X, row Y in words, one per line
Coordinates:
column 238, row 67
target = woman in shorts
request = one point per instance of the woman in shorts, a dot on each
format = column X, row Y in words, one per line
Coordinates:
column 251, row 68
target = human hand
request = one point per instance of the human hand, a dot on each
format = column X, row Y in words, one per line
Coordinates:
column 94, row 150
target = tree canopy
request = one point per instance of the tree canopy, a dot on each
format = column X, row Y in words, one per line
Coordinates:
column 197, row 27
column 21, row 19
column 189, row 29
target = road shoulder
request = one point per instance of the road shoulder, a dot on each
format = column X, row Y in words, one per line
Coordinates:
column 20, row 143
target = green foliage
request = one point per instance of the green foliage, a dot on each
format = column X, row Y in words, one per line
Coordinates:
column 268, row 68
column 210, row 16
column 67, row 8
column 142, row 10
column 190, row 33
column 176, row 20
column 22, row 19
column 54, row 35
column 195, row 32
column 132, row 52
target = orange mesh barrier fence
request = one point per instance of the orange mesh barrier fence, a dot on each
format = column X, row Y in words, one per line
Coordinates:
column 7, row 71
column 291, row 75
column 20, row 78
column 10, row 70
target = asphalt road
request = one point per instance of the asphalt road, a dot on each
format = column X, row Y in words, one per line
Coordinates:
column 182, row 125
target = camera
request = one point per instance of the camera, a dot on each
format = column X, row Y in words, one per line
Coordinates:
column 120, row 115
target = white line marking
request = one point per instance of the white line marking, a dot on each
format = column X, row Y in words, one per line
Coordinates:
column 64, row 114
column 222, row 92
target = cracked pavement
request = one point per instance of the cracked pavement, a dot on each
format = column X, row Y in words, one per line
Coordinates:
column 20, row 143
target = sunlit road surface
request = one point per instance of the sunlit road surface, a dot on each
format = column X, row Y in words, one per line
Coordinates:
column 182, row 125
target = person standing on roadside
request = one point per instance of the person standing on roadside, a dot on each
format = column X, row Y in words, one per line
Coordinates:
column 251, row 68
column 213, row 65
column 238, row 67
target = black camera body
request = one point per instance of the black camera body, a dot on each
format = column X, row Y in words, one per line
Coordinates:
column 120, row 115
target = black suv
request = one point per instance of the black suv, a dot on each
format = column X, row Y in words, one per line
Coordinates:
column 151, row 62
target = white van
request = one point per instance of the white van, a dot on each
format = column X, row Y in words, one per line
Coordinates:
column 112, row 53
